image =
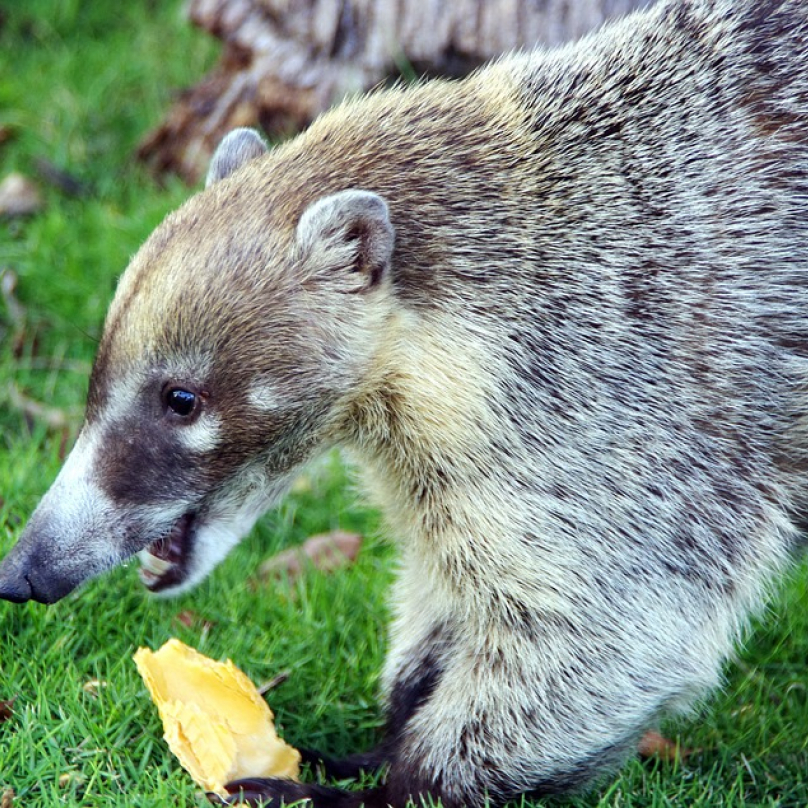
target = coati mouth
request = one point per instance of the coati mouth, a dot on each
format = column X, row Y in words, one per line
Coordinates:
column 164, row 562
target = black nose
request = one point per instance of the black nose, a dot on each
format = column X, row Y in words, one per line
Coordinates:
column 15, row 588
column 24, row 576
column 15, row 576
column 36, row 569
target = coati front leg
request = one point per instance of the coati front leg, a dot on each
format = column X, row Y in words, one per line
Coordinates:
column 482, row 709
column 347, row 768
column 412, row 687
column 474, row 719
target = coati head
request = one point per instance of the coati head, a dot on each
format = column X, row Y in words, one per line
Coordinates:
column 233, row 339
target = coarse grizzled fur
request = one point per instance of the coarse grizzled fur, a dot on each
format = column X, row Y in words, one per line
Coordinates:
column 558, row 312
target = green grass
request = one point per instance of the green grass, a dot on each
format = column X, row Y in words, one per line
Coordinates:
column 80, row 83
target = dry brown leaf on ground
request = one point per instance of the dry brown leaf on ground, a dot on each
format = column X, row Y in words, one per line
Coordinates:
column 190, row 619
column 325, row 552
column 7, row 133
column 655, row 745
column 7, row 800
column 7, row 709
column 274, row 682
column 186, row 618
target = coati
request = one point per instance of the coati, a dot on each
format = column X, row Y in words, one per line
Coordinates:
column 558, row 313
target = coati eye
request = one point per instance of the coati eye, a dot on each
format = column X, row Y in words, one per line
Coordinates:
column 180, row 401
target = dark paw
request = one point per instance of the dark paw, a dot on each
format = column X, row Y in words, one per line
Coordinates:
column 275, row 792
column 347, row 768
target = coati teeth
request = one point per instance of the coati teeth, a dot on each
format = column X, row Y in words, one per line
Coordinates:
column 148, row 579
column 152, row 565
column 163, row 562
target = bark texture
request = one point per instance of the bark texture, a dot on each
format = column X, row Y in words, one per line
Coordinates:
column 285, row 61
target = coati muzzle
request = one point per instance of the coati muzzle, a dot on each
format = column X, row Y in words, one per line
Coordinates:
column 35, row 569
column 27, row 574
column 78, row 532
column 47, row 563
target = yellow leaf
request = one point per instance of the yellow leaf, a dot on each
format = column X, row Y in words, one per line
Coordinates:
column 214, row 719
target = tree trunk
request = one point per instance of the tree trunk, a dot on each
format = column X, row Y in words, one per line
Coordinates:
column 285, row 61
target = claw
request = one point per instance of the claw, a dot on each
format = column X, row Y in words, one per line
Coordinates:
column 265, row 791
column 251, row 798
column 277, row 792
column 246, row 792
column 251, row 784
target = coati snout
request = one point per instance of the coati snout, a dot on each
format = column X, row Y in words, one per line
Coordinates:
column 195, row 425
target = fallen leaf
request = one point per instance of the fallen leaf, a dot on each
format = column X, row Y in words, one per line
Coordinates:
column 188, row 618
column 214, row 720
column 69, row 779
column 7, row 709
column 93, row 686
column 325, row 552
column 19, row 196
column 7, row 132
column 7, row 800
column 655, row 745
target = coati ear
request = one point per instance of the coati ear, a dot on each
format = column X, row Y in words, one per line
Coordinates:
column 348, row 232
column 237, row 148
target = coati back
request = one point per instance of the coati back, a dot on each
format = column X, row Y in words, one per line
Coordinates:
column 558, row 313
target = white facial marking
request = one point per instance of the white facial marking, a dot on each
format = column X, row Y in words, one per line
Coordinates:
column 75, row 494
column 121, row 395
column 203, row 435
column 264, row 397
